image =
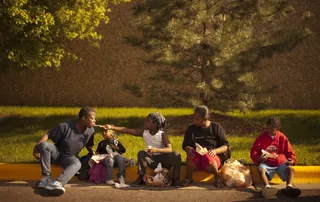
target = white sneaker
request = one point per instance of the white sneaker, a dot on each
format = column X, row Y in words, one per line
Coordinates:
column 117, row 185
column 121, row 180
column 110, row 182
column 56, row 188
column 44, row 181
column 122, row 183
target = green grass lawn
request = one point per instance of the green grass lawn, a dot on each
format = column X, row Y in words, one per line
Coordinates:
column 21, row 128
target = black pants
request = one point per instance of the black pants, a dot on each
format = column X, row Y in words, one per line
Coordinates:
column 167, row 160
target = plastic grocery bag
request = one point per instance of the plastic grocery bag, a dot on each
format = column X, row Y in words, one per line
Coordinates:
column 235, row 174
column 160, row 178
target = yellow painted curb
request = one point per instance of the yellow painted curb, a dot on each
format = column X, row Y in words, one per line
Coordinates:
column 304, row 174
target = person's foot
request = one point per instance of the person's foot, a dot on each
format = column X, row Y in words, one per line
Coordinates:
column 139, row 181
column 291, row 192
column 122, row 183
column 176, row 182
column 44, row 181
column 218, row 183
column 186, row 182
column 56, row 188
column 268, row 192
column 121, row 180
column 110, row 182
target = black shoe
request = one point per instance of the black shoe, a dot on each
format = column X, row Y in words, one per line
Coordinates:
column 269, row 192
column 139, row 181
column 291, row 192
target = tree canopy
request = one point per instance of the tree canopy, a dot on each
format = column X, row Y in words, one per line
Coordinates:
column 34, row 33
column 215, row 46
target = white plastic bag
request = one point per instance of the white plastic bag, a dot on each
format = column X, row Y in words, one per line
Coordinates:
column 161, row 178
column 236, row 175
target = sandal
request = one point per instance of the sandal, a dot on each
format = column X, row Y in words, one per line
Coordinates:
column 186, row 182
column 219, row 184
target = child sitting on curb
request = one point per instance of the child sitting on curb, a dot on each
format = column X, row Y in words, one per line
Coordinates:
column 112, row 146
column 273, row 153
column 159, row 149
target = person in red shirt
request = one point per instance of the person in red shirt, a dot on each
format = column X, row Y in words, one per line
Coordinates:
column 273, row 153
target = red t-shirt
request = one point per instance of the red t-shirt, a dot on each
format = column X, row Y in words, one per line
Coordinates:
column 278, row 145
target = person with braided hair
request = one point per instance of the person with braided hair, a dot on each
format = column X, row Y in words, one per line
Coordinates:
column 273, row 153
column 158, row 147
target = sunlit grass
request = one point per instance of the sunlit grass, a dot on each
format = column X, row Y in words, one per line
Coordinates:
column 21, row 128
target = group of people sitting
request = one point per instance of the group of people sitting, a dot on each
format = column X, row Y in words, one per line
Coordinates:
column 271, row 151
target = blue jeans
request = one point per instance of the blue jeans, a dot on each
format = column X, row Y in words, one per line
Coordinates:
column 280, row 170
column 50, row 153
column 116, row 161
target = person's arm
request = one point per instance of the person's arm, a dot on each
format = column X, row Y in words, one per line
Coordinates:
column 223, row 142
column 255, row 152
column 188, row 144
column 289, row 153
column 121, row 149
column 134, row 132
column 90, row 144
column 36, row 153
column 165, row 142
column 99, row 148
column 90, row 150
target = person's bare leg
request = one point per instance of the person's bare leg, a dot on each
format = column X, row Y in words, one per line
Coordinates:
column 290, row 191
column 263, row 175
column 290, row 177
column 213, row 168
column 190, row 168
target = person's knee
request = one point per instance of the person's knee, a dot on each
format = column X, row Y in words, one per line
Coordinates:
column 77, row 165
column 290, row 170
column 177, row 155
column 261, row 170
column 119, row 159
column 43, row 146
column 142, row 154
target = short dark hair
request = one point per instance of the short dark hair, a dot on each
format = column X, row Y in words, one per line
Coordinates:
column 274, row 122
column 84, row 111
column 203, row 111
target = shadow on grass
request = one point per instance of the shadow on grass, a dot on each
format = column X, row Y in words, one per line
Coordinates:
column 13, row 125
column 298, row 131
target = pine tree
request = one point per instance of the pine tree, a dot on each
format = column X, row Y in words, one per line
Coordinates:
column 214, row 46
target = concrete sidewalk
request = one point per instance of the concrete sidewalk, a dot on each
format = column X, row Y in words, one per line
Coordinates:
column 305, row 175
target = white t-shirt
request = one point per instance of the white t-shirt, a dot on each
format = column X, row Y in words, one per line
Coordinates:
column 153, row 140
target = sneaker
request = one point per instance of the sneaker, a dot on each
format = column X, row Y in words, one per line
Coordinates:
column 139, row 181
column 291, row 192
column 268, row 192
column 110, row 182
column 55, row 188
column 120, row 185
column 44, row 181
column 121, row 180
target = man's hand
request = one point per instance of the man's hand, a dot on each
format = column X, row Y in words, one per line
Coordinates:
column 263, row 157
column 151, row 150
column 290, row 162
column 36, row 153
column 190, row 152
column 274, row 156
column 212, row 152
column 113, row 146
column 107, row 127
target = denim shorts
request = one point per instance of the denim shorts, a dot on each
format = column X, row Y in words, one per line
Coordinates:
column 280, row 170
